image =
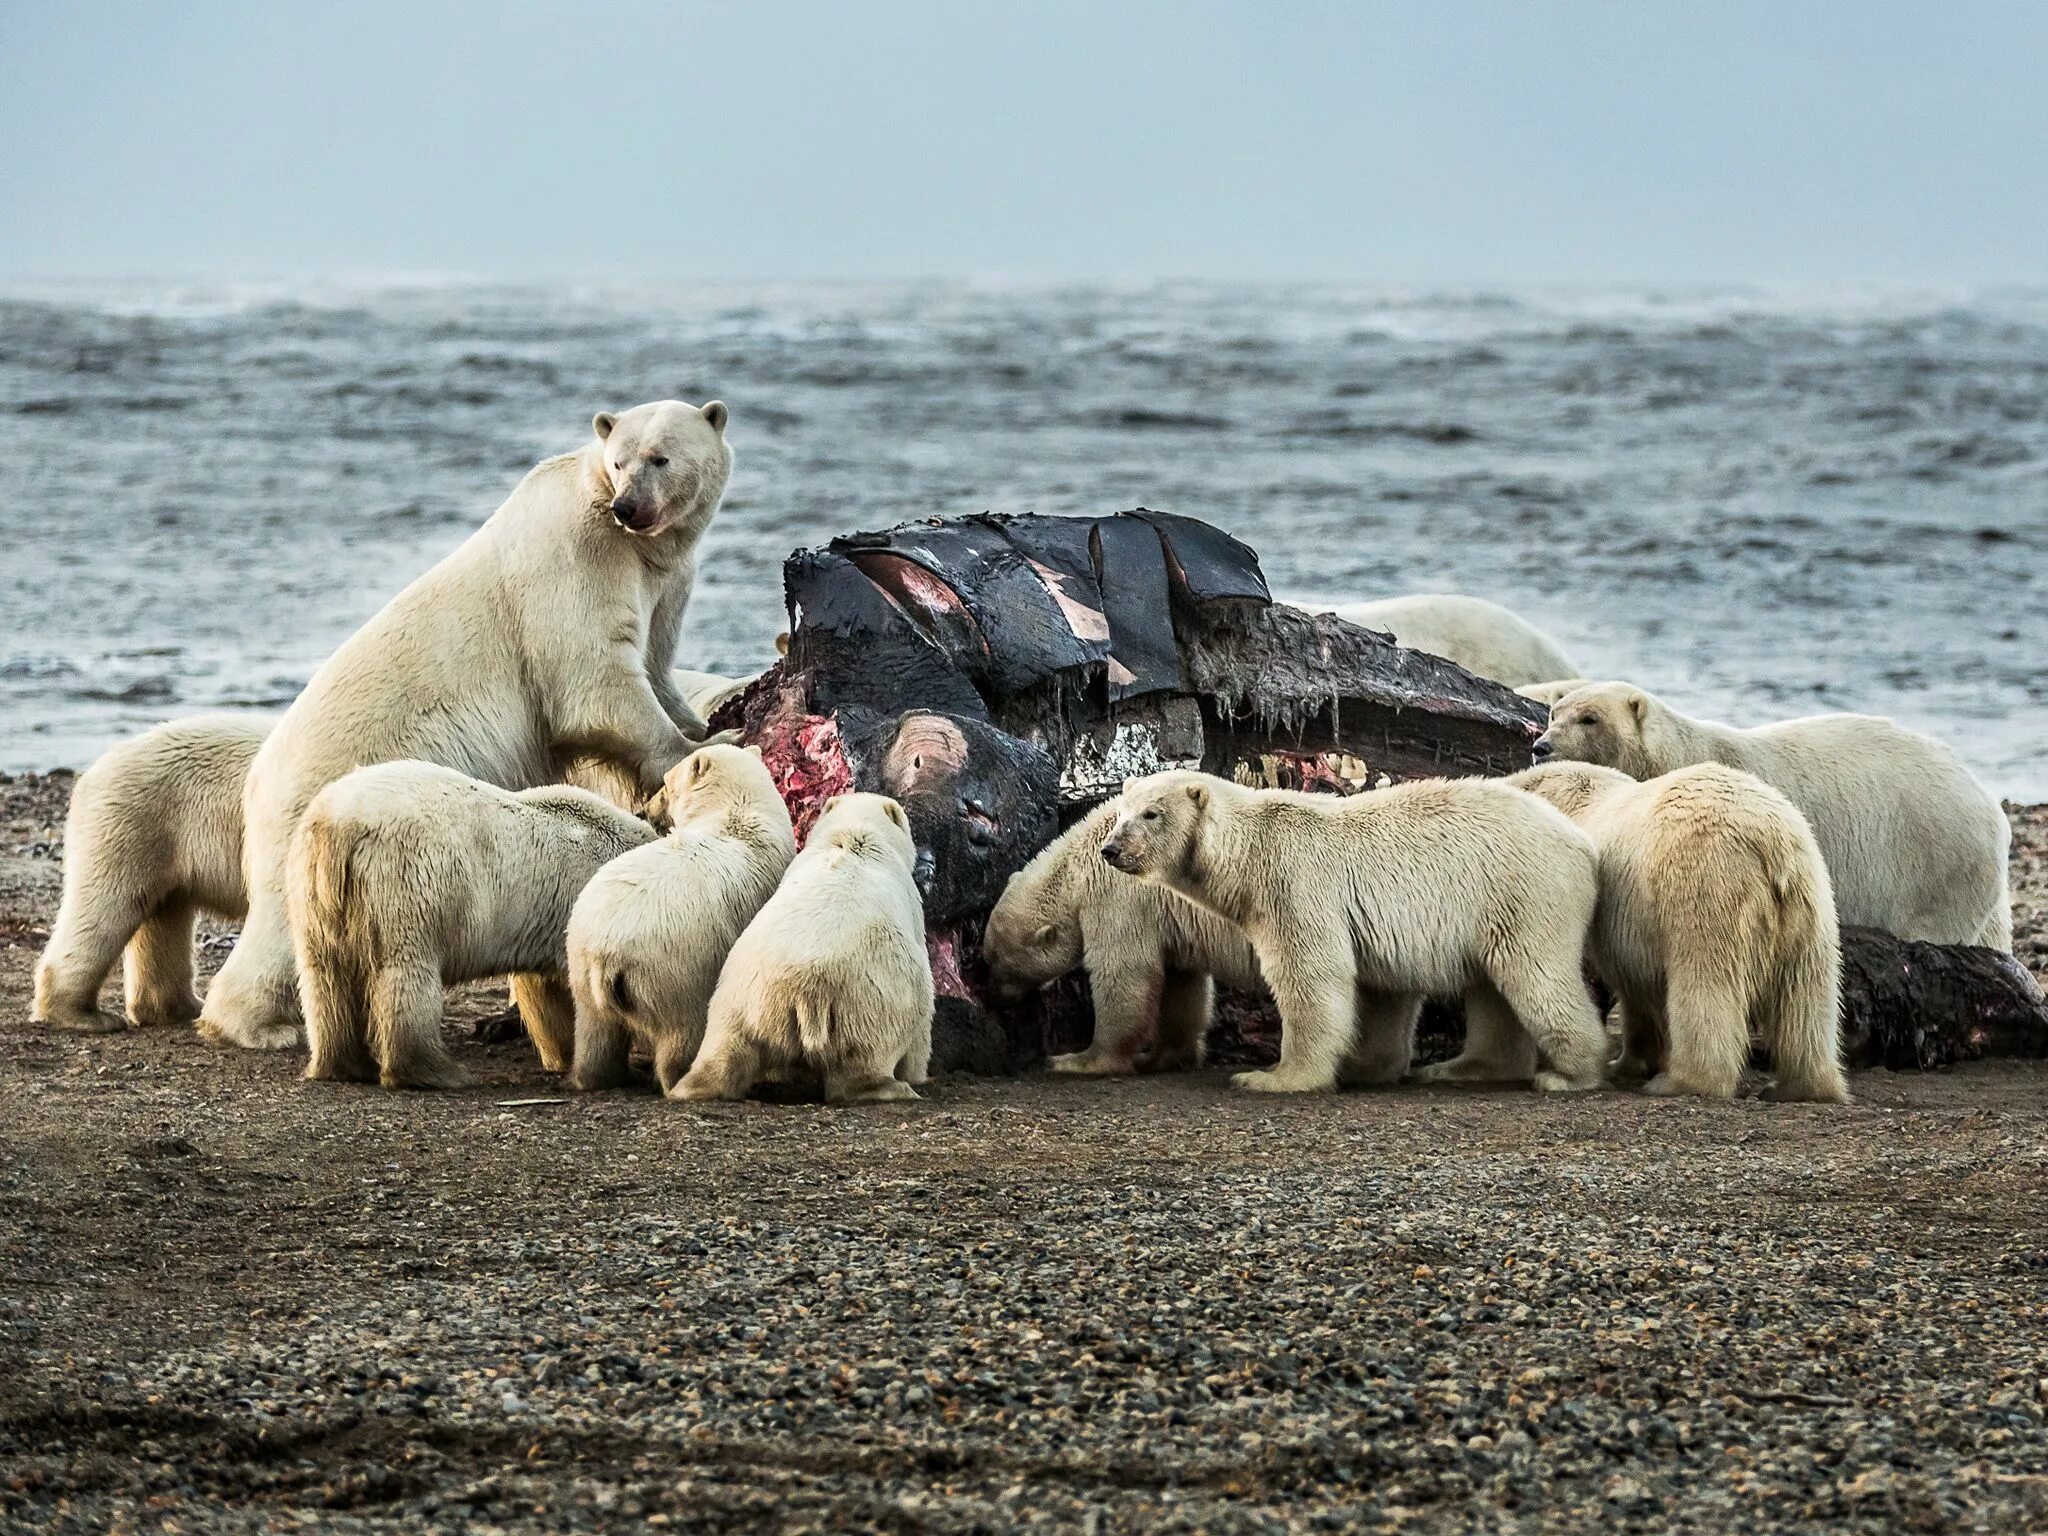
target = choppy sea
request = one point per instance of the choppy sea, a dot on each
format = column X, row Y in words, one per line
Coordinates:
column 1759, row 503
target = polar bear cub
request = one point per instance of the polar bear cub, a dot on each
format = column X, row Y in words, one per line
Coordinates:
column 652, row 929
column 1359, row 907
column 1149, row 953
column 406, row 877
column 545, row 638
column 1914, row 844
column 1715, row 915
column 831, row 977
column 153, row 837
column 1484, row 638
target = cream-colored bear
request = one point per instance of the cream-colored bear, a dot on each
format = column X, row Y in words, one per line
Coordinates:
column 1715, row 917
column 545, row 638
column 651, row 931
column 1914, row 844
column 153, row 837
column 831, row 977
column 1484, row 638
column 1359, row 907
column 408, row 877
column 1150, row 954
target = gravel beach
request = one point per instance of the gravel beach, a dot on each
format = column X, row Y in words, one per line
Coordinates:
column 234, row 1301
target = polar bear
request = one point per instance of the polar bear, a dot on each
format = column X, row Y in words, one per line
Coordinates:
column 1150, row 954
column 153, row 837
column 544, row 638
column 1914, row 844
column 1360, row 906
column 1482, row 637
column 831, row 976
column 649, row 933
column 407, row 877
column 1715, row 915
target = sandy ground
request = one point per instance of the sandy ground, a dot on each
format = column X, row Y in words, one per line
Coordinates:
column 230, row 1300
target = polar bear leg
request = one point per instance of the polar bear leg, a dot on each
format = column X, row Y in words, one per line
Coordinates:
column 405, row 1028
column 1316, row 1024
column 156, row 969
column 602, row 1038
column 728, row 1065
column 1497, row 1049
column 1127, row 996
column 1642, row 1040
column 1384, row 1045
column 254, row 1001
column 549, row 1013
column 916, row 1065
column 1553, row 1005
column 336, row 1004
column 93, row 923
column 1709, row 1040
column 1187, row 1002
column 677, row 1047
column 1997, row 930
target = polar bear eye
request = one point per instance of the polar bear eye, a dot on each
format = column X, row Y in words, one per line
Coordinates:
column 1151, row 815
column 658, row 460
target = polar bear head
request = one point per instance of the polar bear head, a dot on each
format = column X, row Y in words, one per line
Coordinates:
column 1158, row 833
column 714, row 782
column 1034, row 930
column 665, row 463
column 867, row 825
column 1573, row 787
column 1606, row 723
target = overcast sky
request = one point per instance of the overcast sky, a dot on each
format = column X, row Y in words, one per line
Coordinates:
column 1688, row 141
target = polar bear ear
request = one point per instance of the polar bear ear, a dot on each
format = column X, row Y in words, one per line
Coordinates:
column 602, row 424
column 1046, row 934
column 1639, row 704
column 716, row 413
column 833, row 801
column 753, row 751
column 699, row 766
column 782, row 643
column 1199, row 793
column 894, row 812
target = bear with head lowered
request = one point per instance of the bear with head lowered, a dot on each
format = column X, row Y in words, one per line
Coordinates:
column 544, row 640
column 1152, row 957
column 1914, row 844
column 1360, row 907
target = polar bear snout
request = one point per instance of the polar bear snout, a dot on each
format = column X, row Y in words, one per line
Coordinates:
column 1113, row 854
column 633, row 516
column 1542, row 748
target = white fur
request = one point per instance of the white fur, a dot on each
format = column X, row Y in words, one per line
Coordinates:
column 1914, row 844
column 1549, row 693
column 1360, row 907
column 1715, row 915
column 546, row 637
column 831, row 977
column 153, row 837
column 706, row 691
column 1484, row 638
column 651, row 931
column 1150, row 954
column 408, row 877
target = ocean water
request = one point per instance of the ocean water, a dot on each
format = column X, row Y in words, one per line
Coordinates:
column 1758, row 503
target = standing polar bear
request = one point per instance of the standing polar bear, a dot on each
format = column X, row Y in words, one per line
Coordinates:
column 152, row 838
column 1715, row 914
column 1484, row 638
column 408, row 877
column 831, row 977
column 1360, row 907
column 1150, row 954
column 1914, row 844
column 544, row 638
column 651, row 931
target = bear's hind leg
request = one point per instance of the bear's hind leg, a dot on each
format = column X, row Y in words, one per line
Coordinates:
column 1642, row 1040
column 1709, row 1040
column 337, row 1009
column 1554, row 1007
column 405, row 1028
column 157, row 966
column 1497, row 1049
column 549, row 1013
column 728, row 1064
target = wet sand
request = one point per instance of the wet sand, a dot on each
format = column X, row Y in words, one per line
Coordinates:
column 234, row 1301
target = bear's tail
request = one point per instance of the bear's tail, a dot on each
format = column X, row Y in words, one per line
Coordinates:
column 1803, row 1015
column 813, row 1024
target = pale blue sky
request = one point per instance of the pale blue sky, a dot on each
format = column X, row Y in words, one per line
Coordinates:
column 1425, row 143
